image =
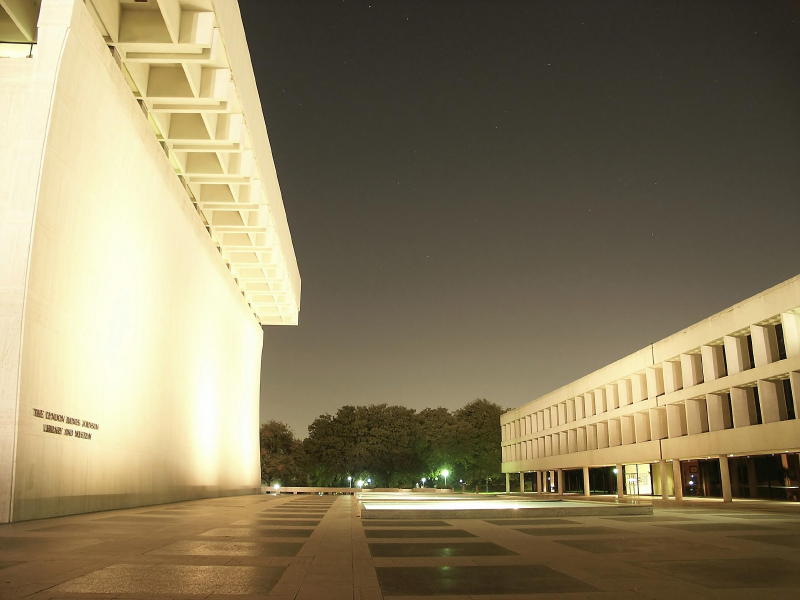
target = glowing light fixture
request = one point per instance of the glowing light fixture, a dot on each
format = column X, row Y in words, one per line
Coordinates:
column 445, row 473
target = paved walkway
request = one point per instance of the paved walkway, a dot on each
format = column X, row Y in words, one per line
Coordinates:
column 316, row 548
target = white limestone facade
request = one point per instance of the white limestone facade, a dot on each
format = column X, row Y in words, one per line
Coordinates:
column 709, row 411
column 144, row 245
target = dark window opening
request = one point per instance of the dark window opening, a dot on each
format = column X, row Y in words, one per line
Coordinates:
column 781, row 341
column 726, row 406
column 724, row 360
column 787, row 394
column 602, row 480
column 757, row 402
column 770, row 477
column 573, row 481
column 750, row 351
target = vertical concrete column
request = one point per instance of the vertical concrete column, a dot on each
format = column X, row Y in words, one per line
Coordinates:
column 743, row 406
column 725, row 473
column 508, row 482
column 719, row 413
column 560, row 475
column 539, row 488
column 736, row 354
column 663, row 466
column 612, row 396
column 713, row 362
column 620, row 481
column 691, row 369
column 773, row 401
column 676, row 419
column 522, row 482
column 655, row 381
column 794, row 383
column 765, row 344
column 791, row 333
column 673, row 380
column 677, row 480
column 696, row 416
column 641, row 427
column 625, row 392
column 639, row 382
column 586, row 489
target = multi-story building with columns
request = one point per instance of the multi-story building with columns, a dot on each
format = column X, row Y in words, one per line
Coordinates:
column 709, row 411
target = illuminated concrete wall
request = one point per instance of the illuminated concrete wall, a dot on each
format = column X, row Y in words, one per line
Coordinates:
column 130, row 356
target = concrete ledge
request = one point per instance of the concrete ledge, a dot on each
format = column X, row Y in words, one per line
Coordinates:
column 541, row 508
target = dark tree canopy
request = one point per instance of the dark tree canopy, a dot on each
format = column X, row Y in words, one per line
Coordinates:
column 282, row 458
column 394, row 446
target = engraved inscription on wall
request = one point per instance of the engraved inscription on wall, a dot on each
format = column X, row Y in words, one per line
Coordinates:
column 72, row 426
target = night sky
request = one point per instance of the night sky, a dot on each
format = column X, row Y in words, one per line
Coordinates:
column 491, row 199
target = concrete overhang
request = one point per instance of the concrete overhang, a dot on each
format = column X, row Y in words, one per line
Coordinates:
column 188, row 65
column 18, row 20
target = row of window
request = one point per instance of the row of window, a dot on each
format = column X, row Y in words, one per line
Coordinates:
column 765, row 401
column 763, row 344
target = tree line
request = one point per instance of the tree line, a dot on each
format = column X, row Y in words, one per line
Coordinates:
column 392, row 446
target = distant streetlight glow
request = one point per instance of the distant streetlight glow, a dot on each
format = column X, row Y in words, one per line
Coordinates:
column 360, row 483
column 445, row 473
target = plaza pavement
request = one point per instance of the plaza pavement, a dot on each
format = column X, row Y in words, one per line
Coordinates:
column 318, row 548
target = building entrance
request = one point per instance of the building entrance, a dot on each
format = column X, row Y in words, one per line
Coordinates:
column 638, row 480
column 701, row 478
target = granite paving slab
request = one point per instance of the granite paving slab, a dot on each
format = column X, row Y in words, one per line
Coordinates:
column 730, row 573
column 196, row 548
column 649, row 518
column 442, row 549
column 174, row 579
column 417, row 533
column 637, row 544
column 396, row 523
column 256, row 532
column 790, row 541
column 557, row 531
column 710, row 527
column 544, row 521
column 476, row 580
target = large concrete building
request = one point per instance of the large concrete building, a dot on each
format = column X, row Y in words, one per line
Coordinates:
column 709, row 411
column 144, row 245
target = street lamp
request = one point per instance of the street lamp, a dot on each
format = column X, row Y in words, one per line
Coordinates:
column 277, row 488
column 424, row 479
column 360, row 483
column 445, row 473
column 349, row 481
